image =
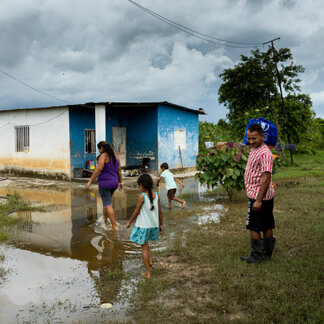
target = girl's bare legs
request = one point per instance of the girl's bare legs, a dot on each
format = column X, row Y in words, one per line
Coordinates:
column 146, row 260
column 108, row 212
column 182, row 202
column 151, row 262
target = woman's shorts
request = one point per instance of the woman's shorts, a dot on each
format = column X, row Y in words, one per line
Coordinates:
column 260, row 221
column 106, row 194
column 171, row 193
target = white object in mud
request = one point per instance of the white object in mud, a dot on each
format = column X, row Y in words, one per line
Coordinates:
column 106, row 305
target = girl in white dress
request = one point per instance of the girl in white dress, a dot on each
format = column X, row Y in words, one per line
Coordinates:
column 149, row 220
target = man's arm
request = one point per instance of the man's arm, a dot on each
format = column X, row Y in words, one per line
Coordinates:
column 265, row 182
column 158, row 181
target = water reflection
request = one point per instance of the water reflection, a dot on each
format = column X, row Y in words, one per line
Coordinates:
column 69, row 225
column 69, row 233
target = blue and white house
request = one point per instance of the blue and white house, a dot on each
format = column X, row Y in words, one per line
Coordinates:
column 57, row 140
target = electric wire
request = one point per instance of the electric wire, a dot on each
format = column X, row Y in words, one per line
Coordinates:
column 196, row 33
column 37, row 124
column 27, row 85
column 39, row 91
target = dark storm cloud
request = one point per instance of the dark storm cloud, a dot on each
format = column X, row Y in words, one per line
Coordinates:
column 83, row 51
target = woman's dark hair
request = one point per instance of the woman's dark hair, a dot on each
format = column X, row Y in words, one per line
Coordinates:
column 146, row 181
column 108, row 149
column 164, row 166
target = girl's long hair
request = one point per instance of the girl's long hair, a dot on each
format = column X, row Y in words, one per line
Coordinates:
column 146, row 181
column 108, row 149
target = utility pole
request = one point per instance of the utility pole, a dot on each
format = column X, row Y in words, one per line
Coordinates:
column 279, row 84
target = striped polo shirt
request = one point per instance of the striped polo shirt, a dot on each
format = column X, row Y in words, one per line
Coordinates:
column 260, row 161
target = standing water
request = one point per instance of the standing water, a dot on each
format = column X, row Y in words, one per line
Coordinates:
column 54, row 269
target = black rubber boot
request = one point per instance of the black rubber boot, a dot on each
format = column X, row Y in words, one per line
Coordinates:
column 256, row 252
column 268, row 247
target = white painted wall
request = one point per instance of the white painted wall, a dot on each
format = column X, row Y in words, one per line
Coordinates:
column 100, row 111
column 49, row 151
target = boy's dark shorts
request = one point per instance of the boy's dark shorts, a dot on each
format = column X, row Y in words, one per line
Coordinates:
column 171, row 193
column 262, row 220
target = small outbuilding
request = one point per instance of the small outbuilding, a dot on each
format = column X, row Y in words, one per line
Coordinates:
column 58, row 140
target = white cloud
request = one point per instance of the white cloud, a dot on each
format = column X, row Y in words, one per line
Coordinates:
column 83, row 51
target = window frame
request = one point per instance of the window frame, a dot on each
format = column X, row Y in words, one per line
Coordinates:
column 22, row 138
column 89, row 135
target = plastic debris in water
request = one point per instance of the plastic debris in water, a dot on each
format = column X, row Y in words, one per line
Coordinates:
column 106, row 305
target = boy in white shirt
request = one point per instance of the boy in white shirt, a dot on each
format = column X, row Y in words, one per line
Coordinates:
column 170, row 184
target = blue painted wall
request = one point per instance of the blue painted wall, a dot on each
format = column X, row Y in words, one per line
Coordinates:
column 150, row 133
column 141, row 132
column 169, row 119
column 80, row 119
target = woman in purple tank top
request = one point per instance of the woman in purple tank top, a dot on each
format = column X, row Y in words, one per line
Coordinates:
column 108, row 174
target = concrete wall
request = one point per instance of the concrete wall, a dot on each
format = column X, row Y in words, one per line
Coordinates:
column 171, row 123
column 80, row 119
column 49, row 141
column 141, row 136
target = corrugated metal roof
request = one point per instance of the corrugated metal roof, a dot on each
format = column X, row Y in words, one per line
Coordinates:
column 112, row 104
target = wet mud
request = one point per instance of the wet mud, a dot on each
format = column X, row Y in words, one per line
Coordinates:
column 55, row 268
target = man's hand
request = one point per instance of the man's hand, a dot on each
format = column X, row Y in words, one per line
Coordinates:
column 257, row 205
column 128, row 225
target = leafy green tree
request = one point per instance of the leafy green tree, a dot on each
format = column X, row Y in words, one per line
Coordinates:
column 209, row 132
column 249, row 90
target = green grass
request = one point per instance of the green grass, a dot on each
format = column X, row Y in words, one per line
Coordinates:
column 8, row 222
column 304, row 166
column 203, row 280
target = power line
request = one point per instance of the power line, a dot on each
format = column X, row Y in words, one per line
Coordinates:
column 195, row 33
column 37, row 124
column 27, row 85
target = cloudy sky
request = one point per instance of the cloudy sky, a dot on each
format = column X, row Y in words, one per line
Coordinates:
column 79, row 51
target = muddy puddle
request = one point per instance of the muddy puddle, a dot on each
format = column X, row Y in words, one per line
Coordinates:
column 55, row 269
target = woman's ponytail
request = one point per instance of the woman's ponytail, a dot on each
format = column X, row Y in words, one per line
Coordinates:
column 108, row 149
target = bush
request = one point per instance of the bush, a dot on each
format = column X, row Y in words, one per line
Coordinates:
column 225, row 165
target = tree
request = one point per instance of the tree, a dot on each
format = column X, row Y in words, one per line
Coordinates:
column 249, row 90
column 209, row 132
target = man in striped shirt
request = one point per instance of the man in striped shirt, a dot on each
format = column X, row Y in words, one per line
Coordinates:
column 260, row 191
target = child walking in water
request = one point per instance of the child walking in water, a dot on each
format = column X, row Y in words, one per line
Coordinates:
column 170, row 184
column 149, row 221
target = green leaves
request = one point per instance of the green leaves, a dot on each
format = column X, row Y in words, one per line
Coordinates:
column 218, row 167
column 250, row 90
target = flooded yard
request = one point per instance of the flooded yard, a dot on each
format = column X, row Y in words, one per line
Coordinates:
column 57, row 268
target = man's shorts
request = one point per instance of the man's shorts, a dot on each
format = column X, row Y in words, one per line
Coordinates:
column 106, row 195
column 260, row 221
column 171, row 193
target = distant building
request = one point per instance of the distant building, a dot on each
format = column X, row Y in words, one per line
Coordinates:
column 59, row 140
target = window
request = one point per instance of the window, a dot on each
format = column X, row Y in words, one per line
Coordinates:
column 90, row 140
column 180, row 139
column 22, row 138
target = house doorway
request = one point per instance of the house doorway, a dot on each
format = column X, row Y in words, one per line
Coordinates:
column 119, row 143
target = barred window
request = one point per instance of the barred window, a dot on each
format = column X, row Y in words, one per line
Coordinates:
column 22, row 138
column 90, row 140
